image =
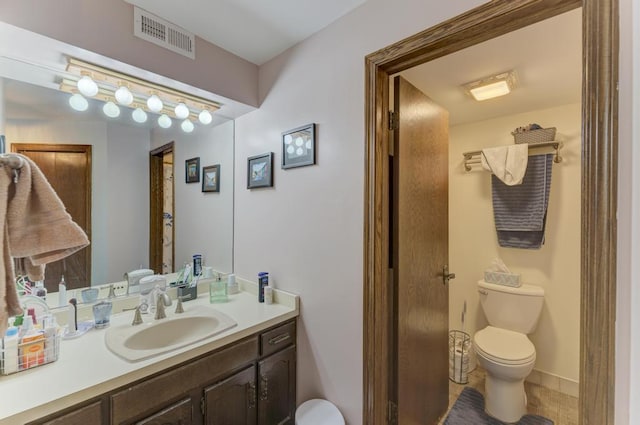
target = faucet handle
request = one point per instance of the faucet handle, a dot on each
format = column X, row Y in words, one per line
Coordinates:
column 137, row 317
column 160, row 314
column 179, row 308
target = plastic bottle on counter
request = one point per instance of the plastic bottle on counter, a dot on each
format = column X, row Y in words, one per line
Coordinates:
column 62, row 292
column 10, row 351
column 268, row 295
column 263, row 280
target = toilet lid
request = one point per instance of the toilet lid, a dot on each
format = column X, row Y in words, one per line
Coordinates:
column 318, row 412
column 504, row 346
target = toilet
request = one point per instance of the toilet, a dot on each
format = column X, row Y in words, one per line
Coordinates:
column 503, row 348
column 318, row 412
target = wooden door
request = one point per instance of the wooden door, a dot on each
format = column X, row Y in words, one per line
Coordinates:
column 68, row 169
column 419, row 237
column 232, row 401
column 277, row 388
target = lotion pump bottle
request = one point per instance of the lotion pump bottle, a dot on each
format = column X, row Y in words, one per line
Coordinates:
column 62, row 292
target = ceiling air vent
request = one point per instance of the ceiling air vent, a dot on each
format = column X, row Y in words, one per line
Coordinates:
column 163, row 33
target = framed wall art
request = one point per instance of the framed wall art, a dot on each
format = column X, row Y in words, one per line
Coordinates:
column 211, row 178
column 192, row 170
column 260, row 171
column 299, row 146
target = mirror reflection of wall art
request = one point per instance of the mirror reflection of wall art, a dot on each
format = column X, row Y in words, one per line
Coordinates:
column 299, row 146
column 260, row 171
column 192, row 170
column 211, row 178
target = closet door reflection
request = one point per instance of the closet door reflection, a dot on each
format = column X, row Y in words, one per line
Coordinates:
column 68, row 169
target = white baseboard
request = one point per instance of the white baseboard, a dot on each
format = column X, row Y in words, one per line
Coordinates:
column 554, row 382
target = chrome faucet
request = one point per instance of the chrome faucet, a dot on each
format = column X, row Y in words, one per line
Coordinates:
column 163, row 301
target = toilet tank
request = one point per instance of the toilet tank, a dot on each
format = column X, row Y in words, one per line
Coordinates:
column 515, row 309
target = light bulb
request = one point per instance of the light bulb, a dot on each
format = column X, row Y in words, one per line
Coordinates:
column 111, row 110
column 154, row 103
column 87, row 86
column 187, row 126
column 299, row 151
column 164, row 121
column 139, row 115
column 205, row 117
column 181, row 111
column 124, row 96
column 78, row 102
column 299, row 141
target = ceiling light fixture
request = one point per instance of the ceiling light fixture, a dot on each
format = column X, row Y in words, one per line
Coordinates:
column 187, row 126
column 205, row 117
column 154, row 103
column 78, row 103
column 111, row 110
column 112, row 86
column 181, row 110
column 123, row 96
column 139, row 115
column 87, row 86
column 491, row 87
column 164, row 121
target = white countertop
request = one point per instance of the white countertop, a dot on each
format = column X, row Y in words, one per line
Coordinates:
column 86, row 368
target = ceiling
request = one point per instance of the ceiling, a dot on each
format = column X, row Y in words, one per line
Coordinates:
column 546, row 56
column 254, row 30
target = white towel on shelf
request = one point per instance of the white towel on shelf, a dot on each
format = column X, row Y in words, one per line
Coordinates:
column 508, row 163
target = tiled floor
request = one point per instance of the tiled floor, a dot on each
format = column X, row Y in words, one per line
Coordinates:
column 562, row 409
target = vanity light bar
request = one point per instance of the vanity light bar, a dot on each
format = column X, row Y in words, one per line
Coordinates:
column 109, row 81
column 106, row 95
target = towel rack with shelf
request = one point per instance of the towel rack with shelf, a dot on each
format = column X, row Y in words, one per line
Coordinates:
column 473, row 157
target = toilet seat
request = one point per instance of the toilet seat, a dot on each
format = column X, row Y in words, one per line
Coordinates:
column 504, row 346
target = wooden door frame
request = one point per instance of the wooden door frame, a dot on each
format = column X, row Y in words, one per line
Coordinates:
column 156, row 200
column 599, row 187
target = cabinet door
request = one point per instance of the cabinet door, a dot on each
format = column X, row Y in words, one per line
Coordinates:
column 232, row 401
column 277, row 388
column 180, row 413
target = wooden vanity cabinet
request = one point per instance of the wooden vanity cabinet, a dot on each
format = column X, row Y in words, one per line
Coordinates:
column 265, row 393
column 249, row 382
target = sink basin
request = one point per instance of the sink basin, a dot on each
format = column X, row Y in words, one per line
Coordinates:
column 134, row 343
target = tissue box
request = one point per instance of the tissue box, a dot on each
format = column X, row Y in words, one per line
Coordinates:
column 507, row 279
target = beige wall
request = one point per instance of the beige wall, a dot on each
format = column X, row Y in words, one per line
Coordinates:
column 555, row 267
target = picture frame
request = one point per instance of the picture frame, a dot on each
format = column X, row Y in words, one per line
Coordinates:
column 260, row 171
column 299, row 147
column 211, row 178
column 192, row 170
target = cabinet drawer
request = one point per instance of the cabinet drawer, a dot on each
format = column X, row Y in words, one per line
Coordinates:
column 90, row 414
column 149, row 395
column 278, row 338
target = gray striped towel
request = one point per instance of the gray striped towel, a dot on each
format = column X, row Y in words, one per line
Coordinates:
column 520, row 212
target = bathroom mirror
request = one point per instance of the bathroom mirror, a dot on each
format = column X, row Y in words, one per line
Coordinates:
column 119, row 186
